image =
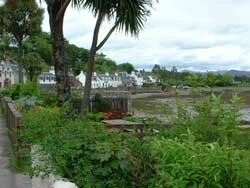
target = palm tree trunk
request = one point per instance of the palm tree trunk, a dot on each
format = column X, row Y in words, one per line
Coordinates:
column 91, row 63
column 20, row 62
column 61, row 67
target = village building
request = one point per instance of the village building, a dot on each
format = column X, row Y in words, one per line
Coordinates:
column 117, row 80
column 121, row 79
column 138, row 78
column 8, row 74
column 47, row 78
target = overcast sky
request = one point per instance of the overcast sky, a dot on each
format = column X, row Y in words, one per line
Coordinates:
column 194, row 34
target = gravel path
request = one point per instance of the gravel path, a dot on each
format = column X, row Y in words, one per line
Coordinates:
column 8, row 179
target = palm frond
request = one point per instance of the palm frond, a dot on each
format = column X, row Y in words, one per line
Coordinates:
column 130, row 15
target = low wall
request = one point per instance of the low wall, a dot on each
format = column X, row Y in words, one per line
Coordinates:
column 13, row 122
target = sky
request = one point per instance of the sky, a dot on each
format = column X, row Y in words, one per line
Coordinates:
column 197, row 35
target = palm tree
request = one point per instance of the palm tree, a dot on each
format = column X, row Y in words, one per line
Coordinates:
column 129, row 16
column 56, row 10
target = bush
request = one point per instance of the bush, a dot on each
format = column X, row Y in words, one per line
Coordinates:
column 27, row 102
column 190, row 164
column 21, row 90
column 95, row 117
column 215, row 121
column 49, row 99
column 85, row 152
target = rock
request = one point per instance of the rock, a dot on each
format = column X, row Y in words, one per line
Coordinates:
column 62, row 184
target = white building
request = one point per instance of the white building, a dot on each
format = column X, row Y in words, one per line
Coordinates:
column 121, row 79
column 116, row 80
column 8, row 74
column 138, row 79
column 102, row 80
column 47, row 78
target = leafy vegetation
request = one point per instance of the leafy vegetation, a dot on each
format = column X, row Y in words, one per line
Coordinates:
column 84, row 151
column 193, row 164
column 197, row 151
column 175, row 78
column 21, row 90
column 20, row 20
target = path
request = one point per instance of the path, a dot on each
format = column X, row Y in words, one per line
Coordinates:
column 9, row 179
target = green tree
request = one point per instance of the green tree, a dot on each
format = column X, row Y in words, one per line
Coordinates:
column 210, row 79
column 156, row 68
column 33, row 65
column 22, row 19
column 78, row 66
column 41, row 44
column 76, row 57
column 103, row 65
column 196, row 80
column 4, row 37
column 129, row 16
column 126, row 67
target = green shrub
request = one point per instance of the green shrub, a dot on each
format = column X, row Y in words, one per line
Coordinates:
column 215, row 121
column 73, row 107
column 95, row 117
column 28, row 89
column 84, row 151
column 25, row 103
column 190, row 164
column 49, row 99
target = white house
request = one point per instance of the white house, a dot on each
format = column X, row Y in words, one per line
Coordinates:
column 102, row 80
column 8, row 74
column 121, row 79
column 47, row 78
column 152, row 79
column 138, row 78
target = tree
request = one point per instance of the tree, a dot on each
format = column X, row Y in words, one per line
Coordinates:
column 41, row 44
column 156, row 68
column 78, row 66
column 56, row 10
column 4, row 37
column 129, row 16
column 33, row 65
column 76, row 57
column 126, row 67
column 104, row 65
column 22, row 19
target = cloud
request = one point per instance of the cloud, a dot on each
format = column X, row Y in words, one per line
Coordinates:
column 194, row 34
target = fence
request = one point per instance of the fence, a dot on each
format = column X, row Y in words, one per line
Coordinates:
column 115, row 100
column 13, row 121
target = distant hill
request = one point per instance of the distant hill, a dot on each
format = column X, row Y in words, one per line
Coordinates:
column 238, row 73
column 232, row 72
